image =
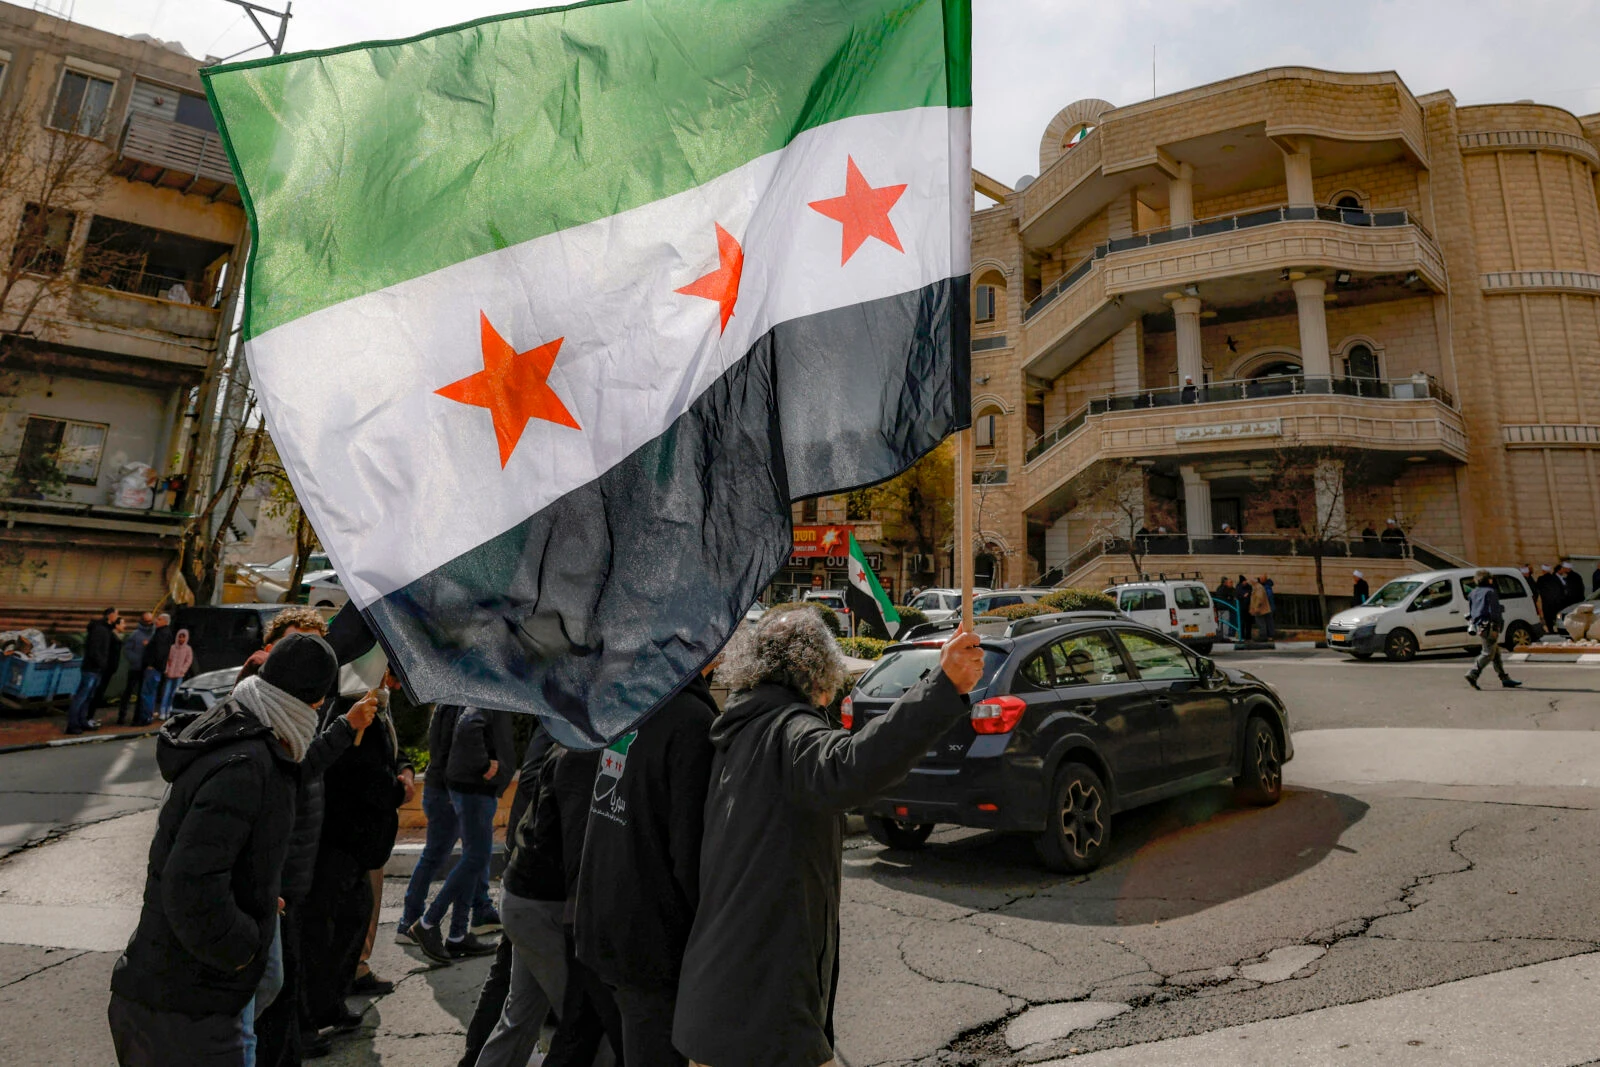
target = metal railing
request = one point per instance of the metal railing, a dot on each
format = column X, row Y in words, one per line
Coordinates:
column 1244, row 220
column 1416, row 387
column 1255, row 545
column 136, row 280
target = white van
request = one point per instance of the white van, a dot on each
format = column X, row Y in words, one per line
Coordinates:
column 1178, row 607
column 1428, row 611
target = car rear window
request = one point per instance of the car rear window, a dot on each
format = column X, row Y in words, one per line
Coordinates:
column 1143, row 600
column 903, row 668
column 1191, row 596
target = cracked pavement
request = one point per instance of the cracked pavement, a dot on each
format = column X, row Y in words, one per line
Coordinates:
column 1454, row 849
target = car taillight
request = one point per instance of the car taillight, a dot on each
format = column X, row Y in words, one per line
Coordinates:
column 997, row 715
column 1174, row 613
column 847, row 713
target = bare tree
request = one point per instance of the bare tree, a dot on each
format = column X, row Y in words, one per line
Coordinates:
column 1114, row 494
column 1306, row 486
column 205, row 533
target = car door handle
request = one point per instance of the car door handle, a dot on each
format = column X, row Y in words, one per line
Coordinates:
column 1085, row 707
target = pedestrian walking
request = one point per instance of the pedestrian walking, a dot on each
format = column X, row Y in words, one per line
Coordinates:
column 1552, row 593
column 151, row 669
column 1361, row 592
column 1486, row 618
column 180, row 659
column 211, row 897
column 1261, row 609
column 1243, row 591
column 639, row 883
column 97, row 639
column 133, row 658
column 478, row 769
column 363, row 790
column 761, row 966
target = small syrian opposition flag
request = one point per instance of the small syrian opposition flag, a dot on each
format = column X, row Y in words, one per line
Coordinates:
column 865, row 597
column 552, row 315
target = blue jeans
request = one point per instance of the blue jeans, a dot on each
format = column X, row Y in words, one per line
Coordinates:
column 443, row 832
column 267, row 991
column 78, row 707
column 475, row 816
column 149, row 695
column 169, row 686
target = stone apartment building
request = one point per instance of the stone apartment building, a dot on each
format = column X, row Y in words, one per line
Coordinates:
column 116, row 291
column 1397, row 291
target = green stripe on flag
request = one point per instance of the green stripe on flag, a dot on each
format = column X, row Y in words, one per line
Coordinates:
column 885, row 604
column 364, row 166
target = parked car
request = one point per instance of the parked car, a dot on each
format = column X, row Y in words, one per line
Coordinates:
column 203, row 691
column 986, row 601
column 271, row 580
column 1427, row 612
column 1561, row 616
column 1070, row 725
column 324, row 590
column 1180, row 608
column 940, row 602
column 833, row 598
column 224, row 635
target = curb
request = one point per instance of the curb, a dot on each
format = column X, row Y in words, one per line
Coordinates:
column 1586, row 659
column 1267, row 646
column 63, row 742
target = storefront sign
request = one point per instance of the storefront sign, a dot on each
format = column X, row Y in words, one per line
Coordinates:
column 813, row 541
column 1228, row 431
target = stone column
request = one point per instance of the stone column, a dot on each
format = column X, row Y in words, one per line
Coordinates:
column 1328, row 480
column 1196, row 503
column 1297, row 176
column 1191, row 359
column 1180, row 196
column 1314, row 356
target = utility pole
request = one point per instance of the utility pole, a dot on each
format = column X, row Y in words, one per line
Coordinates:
column 235, row 367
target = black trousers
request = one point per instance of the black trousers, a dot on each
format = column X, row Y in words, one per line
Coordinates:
column 588, row 1015
column 146, row 1037
column 491, row 1001
column 646, row 1016
column 278, row 1028
column 333, row 932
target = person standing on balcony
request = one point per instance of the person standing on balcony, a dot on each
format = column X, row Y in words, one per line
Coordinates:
column 1261, row 609
column 1393, row 538
column 1190, row 394
column 1361, row 591
column 1242, row 592
column 1369, row 534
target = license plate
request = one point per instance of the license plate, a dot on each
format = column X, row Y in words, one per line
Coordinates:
column 1337, row 639
column 1191, row 629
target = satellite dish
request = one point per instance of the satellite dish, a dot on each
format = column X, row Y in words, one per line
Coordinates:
column 1023, row 182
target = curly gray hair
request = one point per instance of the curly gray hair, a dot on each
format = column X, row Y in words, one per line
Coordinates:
column 790, row 648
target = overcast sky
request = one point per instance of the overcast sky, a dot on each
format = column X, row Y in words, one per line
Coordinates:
column 1033, row 57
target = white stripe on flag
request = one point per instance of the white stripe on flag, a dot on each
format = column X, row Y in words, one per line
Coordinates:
column 399, row 481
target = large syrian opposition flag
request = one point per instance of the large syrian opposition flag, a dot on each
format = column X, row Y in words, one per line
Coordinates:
column 552, row 315
column 864, row 596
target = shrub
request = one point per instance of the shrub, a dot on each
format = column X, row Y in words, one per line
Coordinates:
column 1078, row 600
column 1017, row 611
column 910, row 617
column 830, row 618
column 862, row 647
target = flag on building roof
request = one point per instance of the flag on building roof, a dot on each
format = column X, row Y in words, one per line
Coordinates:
column 865, row 598
column 552, row 315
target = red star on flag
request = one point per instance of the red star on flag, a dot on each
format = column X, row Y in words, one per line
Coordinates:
column 514, row 386
column 863, row 211
column 722, row 284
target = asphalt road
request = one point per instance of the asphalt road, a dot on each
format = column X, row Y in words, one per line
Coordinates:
column 1422, row 895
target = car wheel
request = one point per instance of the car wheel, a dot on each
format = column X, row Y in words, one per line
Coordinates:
column 1520, row 633
column 1078, row 824
column 1400, row 646
column 891, row 833
column 1260, row 781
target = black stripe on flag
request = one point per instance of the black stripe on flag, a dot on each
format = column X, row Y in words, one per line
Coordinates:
column 606, row 602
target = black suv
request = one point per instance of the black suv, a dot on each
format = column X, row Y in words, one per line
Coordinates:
column 1071, row 724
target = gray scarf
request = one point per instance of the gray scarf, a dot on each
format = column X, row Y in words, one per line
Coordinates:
column 290, row 718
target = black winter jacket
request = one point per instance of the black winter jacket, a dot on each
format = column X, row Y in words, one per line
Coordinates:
column 533, row 758
column 1552, row 594
column 156, row 649
column 98, row 641
column 761, row 967
column 363, row 797
column 481, row 735
column 211, row 886
column 441, row 731
column 640, row 880
column 547, row 845
column 299, row 865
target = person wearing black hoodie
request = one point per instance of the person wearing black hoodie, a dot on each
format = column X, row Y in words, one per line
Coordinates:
column 640, row 879
column 151, row 667
column 211, row 898
column 98, row 660
column 761, row 967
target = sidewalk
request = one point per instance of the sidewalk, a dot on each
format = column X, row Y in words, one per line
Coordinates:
column 21, row 731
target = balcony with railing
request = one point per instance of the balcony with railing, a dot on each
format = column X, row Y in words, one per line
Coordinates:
column 1124, row 277
column 175, row 156
column 1410, row 415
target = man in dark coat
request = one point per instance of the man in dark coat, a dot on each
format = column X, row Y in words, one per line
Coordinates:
column 1242, row 589
column 1571, row 585
column 133, row 656
column 98, row 660
column 151, row 668
column 640, row 880
column 114, row 659
column 1362, row 592
column 1552, row 593
column 212, row 888
column 761, row 967
column 1227, row 607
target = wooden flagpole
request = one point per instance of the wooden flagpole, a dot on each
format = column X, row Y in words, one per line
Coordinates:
column 963, row 524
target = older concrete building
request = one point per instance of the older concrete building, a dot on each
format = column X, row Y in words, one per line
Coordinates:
column 1296, row 302
column 122, row 225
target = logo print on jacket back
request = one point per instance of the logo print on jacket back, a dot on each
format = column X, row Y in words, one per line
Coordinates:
column 613, row 761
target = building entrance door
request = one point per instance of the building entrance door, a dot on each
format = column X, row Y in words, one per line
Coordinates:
column 1228, row 510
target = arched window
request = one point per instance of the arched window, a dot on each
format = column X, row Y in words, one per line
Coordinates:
column 1285, row 367
column 1360, row 361
column 1348, row 202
